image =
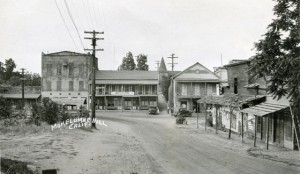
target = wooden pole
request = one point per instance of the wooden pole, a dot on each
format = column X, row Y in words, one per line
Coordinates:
column 261, row 128
column 205, row 109
column 268, row 127
column 242, row 127
column 197, row 105
column 230, row 117
column 255, row 127
column 216, row 119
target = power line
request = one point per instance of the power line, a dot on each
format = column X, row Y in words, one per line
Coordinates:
column 93, row 91
column 70, row 14
column 85, row 13
column 65, row 24
column 172, row 57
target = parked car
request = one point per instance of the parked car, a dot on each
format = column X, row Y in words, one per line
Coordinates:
column 183, row 113
column 153, row 110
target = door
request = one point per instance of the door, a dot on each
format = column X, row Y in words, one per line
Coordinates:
column 183, row 104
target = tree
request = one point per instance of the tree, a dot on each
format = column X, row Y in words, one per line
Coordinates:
column 164, row 85
column 9, row 68
column 142, row 62
column 127, row 63
column 278, row 53
column 5, row 108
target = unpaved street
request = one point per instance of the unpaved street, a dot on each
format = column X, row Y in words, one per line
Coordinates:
column 181, row 152
column 134, row 142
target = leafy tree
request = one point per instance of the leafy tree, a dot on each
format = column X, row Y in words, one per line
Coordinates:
column 277, row 54
column 142, row 62
column 128, row 62
column 50, row 113
column 9, row 68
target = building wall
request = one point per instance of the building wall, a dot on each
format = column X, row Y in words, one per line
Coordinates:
column 61, row 70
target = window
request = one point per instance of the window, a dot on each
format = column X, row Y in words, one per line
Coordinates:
column 58, row 85
column 49, row 69
column 81, row 87
column 81, row 69
column 71, row 69
column 48, row 85
column 214, row 89
column 71, row 86
column 197, row 89
column 235, row 83
column 209, row 88
column 59, row 69
column 183, row 89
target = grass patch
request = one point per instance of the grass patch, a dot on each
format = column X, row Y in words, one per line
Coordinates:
column 23, row 129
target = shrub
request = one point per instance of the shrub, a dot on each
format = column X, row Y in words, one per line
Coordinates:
column 5, row 108
column 50, row 111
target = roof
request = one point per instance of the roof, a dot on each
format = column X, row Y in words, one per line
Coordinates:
column 126, row 75
column 264, row 109
column 197, row 72
column 237, row 63
column 66, row 53
column 225, row 100
column 69, row 101
column 19, row 96
column 162, row 66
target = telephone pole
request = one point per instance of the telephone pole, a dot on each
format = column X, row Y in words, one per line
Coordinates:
column 157, row 64
column 172, row 57
column 93, row 90
column 23, row 79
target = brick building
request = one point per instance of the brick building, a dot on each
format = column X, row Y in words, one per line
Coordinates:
column 126, row 90
column 65, row 77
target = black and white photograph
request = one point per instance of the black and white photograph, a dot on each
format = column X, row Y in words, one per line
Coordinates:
column 149, row 86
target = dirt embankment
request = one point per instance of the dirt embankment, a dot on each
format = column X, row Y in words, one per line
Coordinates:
column 109, row 149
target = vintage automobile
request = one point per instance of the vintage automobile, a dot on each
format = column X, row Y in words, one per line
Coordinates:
column 153, row 110
column 183, row 112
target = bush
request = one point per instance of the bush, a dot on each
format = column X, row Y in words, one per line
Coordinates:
column 5, row 108
column 50, row 111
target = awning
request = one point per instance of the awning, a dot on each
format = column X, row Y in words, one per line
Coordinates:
column 264, row 109
column 19, row 96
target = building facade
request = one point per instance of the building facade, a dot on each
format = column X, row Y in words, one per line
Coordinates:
column 65, row 78
column 126, row 90
column 192, row 84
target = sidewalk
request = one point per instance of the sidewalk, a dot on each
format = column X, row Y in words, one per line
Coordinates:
column 275, row 153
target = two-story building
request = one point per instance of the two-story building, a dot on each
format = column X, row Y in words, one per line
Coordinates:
column 126, row 90
column 192, row 84
column 65, row 78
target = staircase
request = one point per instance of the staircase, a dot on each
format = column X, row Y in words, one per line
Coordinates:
column 296, row 125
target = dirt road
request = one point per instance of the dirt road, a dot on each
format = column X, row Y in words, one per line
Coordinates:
column 180, row 152
column 134, row 142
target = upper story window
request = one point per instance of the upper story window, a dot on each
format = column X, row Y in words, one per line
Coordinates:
column 183, row 89
column 235, row 85
column 59, row 67
column 81, row 86
column 71, row 69
column 197, row 89
column 58, row 85
column 49, row 69
column 71, row 86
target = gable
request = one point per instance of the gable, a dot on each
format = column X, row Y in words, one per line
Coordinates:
column 197, row 72
column 65, row 53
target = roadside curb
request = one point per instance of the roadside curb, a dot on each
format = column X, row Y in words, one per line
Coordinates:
column 258, row 153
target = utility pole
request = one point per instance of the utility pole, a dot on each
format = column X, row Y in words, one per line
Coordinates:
column 93, row 90
column 23, row 79
column 172, row 57
column 157, row 64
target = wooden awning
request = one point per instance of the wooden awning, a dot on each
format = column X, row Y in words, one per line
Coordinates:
column 264, row 109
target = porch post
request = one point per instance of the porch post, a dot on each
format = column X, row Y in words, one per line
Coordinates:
column 197, row 105
column 230, row 121
column 242, row 127
column 255, row 127
column 268, row 127
column 216, row 119
column 205, row 115
column 261, row 128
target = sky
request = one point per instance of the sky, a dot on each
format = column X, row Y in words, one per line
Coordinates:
column 210, row 32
